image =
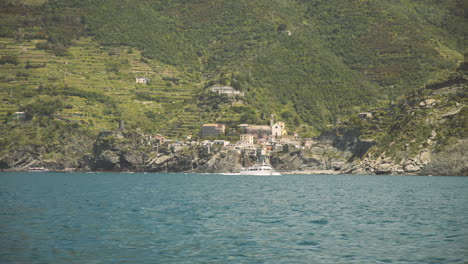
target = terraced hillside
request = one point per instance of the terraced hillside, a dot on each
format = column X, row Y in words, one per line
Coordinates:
column 308, row 62
column 96, row 84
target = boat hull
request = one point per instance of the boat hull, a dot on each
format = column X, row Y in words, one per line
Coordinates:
column 261, row 174
column 259, row 170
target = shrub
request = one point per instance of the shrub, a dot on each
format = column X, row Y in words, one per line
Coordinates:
column 175, row 80
column 58, row 48
column 9, row 59
column 22, row 74
column 43, row 106
column 42, row 45
column 30, row 65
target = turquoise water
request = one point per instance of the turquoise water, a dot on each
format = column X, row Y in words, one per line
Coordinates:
column 193, row 218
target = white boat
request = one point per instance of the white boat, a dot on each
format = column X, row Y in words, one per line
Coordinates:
column 37, row 169
column 260, row 170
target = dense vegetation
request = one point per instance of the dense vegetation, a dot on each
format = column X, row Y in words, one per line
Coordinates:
column 317, row 59
column 308, row 62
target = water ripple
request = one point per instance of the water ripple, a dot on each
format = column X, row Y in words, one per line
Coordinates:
column 179, row 218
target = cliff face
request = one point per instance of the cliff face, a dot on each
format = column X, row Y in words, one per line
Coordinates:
column 130, row 151
column 119, row 151
column 21, row 158
column 30, row 146
column 422, row 134
column 224, row 160
column 331, row 151
column 451, row 161
column 425, row 133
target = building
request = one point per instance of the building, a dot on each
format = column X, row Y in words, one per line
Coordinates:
column 175, row 147
column 259, row 131
column 228, row 90
column 212, row 130
column 221, row 142
column 206, row 143
column 278, row 129
column 243, row 128
column 19, row 115
column 142, row 80
column 247, row 139
column 365, row 115
column 159, row 138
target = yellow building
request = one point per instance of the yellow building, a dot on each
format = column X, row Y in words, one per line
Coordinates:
column 247, row 138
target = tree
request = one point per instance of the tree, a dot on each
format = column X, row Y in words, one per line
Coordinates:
column 19, row 34
column 9, row 59
column 44, row 105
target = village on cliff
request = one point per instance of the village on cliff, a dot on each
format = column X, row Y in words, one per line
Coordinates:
column 253, row 138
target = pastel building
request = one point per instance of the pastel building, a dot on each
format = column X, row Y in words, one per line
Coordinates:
column 228, row 90
column 259, row 131
column 247, row 139
column 19, row 115
column 278, row 129
column 212, row 130
column 142, row 80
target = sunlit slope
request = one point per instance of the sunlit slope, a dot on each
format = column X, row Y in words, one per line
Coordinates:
column 308, row 62
column 327, row 58
column 97, row 84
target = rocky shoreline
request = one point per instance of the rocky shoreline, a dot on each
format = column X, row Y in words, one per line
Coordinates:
column 330, row 154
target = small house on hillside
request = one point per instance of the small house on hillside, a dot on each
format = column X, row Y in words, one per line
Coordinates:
column 142, row 80
column 19, row 115
column 365, row 115
column 159, row 138
column 228, row 90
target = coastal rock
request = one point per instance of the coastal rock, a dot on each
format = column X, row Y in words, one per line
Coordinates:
column 412, row 168
column 451, row 161
column 132, row 157
column 107, row 160
column 296, row 161
column 384, row 168
column 317, row 150
column 337, row 165
column 180, row 163
column 425, row 157
column 22, row 158
column 163, row 159
column 223, row 161
column 428, row 103
column 119, row 151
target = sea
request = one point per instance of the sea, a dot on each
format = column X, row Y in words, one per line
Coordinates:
column 209, row 218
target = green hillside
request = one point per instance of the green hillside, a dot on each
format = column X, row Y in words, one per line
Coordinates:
column 323, row 56
column 308, row 62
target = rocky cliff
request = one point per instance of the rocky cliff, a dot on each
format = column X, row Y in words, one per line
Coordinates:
column 330, row 151
column 426, row 133
column 58, row 148
column 131, row 151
